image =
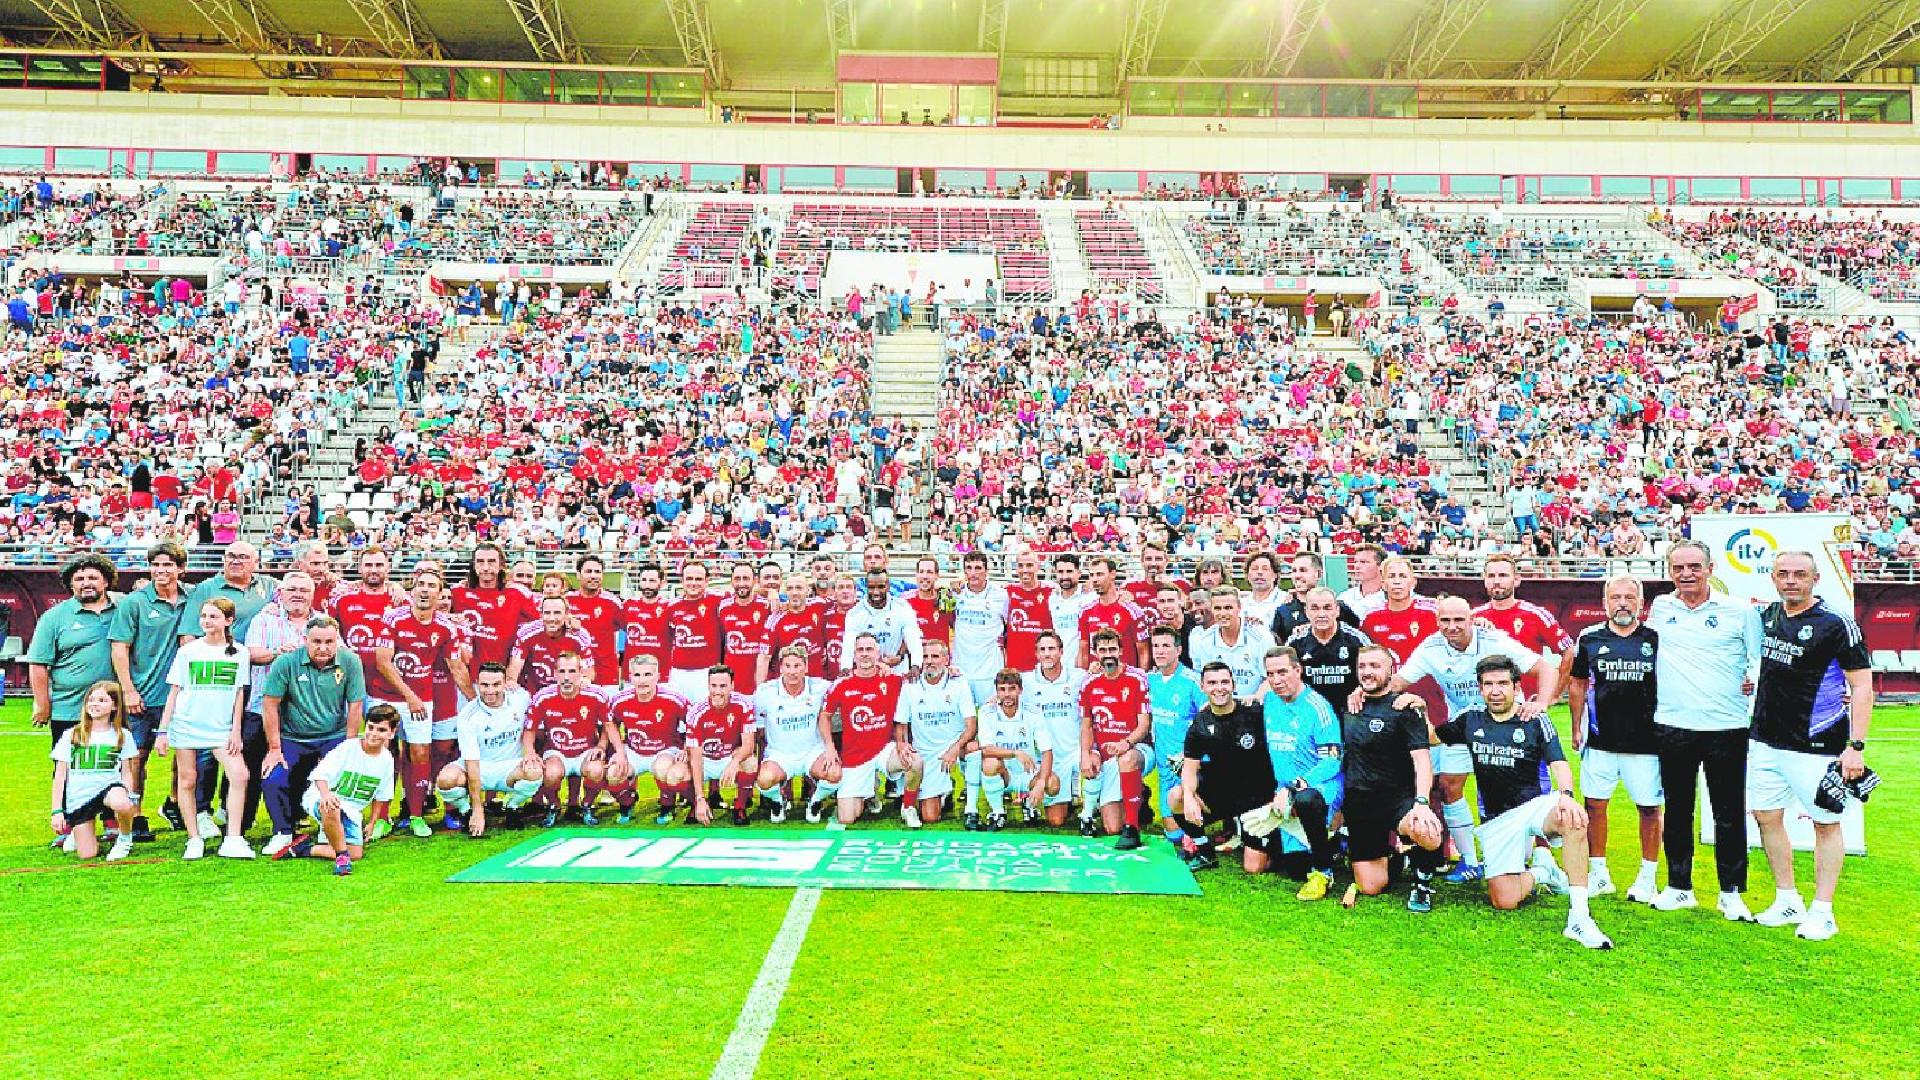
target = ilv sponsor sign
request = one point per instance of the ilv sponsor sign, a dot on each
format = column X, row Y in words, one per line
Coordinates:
column 840, row 860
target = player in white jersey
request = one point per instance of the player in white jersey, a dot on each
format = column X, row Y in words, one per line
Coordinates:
column 979, row 627
column 787, row 712
column 1052, row 691
column 488, row 731
column 1066, row 604
column 938, row 708
column 1015, row 752
column 1449, row 658
column 1240, row 643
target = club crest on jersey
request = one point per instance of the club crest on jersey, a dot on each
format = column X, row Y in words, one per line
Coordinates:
column 1376, row 725
column 1605, row 649
column 1646, row 648
column 1343, row 652
column 1519, row 736
column 1246, row 741
column 1806, row 633
column 1713, row 622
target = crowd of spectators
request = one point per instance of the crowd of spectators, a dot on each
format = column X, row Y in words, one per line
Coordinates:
column 1493, row 254
column 618, row 427
column 526, row 227
column 1879, row 256
column 1729, row 248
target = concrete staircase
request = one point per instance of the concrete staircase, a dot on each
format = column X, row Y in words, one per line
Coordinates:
column 1172, row 254
column 906, row 375
column 1070, row 274
column 332, row 464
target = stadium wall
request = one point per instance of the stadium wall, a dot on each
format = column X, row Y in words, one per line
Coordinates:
column 639, row 133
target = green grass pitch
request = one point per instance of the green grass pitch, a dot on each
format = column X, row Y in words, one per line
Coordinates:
column 220, row 969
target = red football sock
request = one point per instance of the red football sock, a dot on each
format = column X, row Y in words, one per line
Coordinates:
column 740, row 793
column 910, row 797
column 1132, row 793
column 417, row 783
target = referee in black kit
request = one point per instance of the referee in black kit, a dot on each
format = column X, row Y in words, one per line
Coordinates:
column 1813, row 703
column 1227, row 770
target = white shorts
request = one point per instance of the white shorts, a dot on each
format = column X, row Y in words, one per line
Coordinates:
column 1452, row 761
column 493, row 774
column 1110, row 776
column 1506, row 842
column 715, row 766
column 797, row 764
column 936, row 781
column 572, row 763
column 1776, row 778
column 1070, row 781
column 861, row 781
column 1601, row 771
column 643, row 764
column 688, row 683
column 418, row 732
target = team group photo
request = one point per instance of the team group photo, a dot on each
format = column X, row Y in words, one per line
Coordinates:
column 979, row 538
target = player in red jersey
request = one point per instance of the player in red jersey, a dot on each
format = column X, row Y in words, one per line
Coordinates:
column 1115, row 720
column 772, row 582
column 833, row 621
column 1153, row 574
column 599, row 613
column 525, row 576
column 1111, row 609
column 743, row 624
column 1029, row 611
column 716, row 735
column 873, row 738
column 696, row 642
column 648, row 716
column 532, row 662
column 646, row 616
column 573, row 717
column 1407, row 619
column 935, row 618
column 488, row 609
column 1531, row 625
column 359, row 610
column 799, row 620
column 416, row 643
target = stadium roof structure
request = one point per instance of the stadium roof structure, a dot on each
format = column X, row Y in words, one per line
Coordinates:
column 792, row 45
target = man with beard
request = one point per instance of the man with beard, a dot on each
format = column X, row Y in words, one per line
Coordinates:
column 1329, row 649
column 1115, row 724
column 1611, row 695
column 1290, row 614
column 1226, row 772
column 1388, row 774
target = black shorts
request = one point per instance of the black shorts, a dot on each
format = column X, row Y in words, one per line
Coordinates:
column 1372, row 820
column 95, row 806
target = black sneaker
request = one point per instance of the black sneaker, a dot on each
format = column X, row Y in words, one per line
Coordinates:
column 1129, row 839
column 142, row 832
column 971, row 823
column 573, row 814
column 996, row 822
column 1088, row 827
column 171, row 811
column 552, row 820
column 1201, row 860
column 1420, row 898
column 739, row 816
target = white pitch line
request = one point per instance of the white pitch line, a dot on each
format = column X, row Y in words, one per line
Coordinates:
column 741, row 1057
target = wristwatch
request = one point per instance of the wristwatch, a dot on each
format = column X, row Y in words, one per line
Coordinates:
column 1568, row 792
column 1857, row 744
column 1422, row 800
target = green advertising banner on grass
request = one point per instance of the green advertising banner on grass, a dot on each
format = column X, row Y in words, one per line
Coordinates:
column 840, row 860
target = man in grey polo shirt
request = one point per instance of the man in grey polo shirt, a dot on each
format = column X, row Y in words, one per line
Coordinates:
column 279, row 629
column 314, row 699
column 147, row 624
column 240, row 581
column 1706, row 667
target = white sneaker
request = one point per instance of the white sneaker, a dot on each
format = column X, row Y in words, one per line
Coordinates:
column 1786, row 911
column 235, row 847
column 196, row 849
column 1817, row 927
column 1642, row 891
column 276, row 844
column 814, row 813
column 68, row 844
column 1671, row 899
column 910, row 815
column 208, row 826
column 122, row 848
column 1732, row 908
column 1587, row 933
column 1600, row 883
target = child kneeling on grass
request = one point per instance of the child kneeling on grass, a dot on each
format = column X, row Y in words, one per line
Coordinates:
column 93, row 773
column 354, row 776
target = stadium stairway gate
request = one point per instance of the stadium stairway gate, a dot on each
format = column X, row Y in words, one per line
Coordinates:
column 906, row 375
column 330, row 467
column 1071, row 276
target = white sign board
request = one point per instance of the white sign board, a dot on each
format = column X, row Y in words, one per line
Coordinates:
column 1743, row 547
column 960, row 277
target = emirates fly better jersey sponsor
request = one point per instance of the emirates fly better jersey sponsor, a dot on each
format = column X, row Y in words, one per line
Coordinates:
column 791, row 722
column 488, row 734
